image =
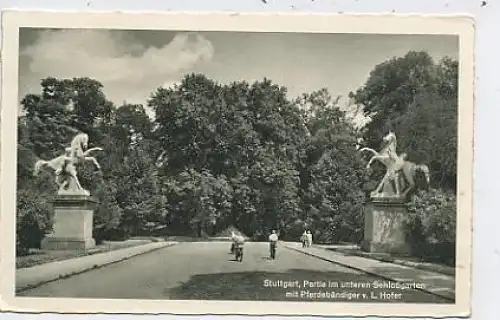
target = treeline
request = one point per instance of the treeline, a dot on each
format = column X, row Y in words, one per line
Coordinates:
column 238, row 154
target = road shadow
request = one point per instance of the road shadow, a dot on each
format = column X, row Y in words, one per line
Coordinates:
column 234, row 260
column 440, row 281
column 268, row 286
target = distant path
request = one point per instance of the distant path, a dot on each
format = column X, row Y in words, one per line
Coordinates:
column 203, row 270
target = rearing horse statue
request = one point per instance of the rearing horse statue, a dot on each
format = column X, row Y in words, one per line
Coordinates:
column 65, row 165
column 394, row 164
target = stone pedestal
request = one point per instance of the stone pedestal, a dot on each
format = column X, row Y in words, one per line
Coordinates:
column 384, row 226
column 73, row 223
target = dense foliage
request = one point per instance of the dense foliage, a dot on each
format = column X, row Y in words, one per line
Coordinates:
column 431, row 225
column 241, row 154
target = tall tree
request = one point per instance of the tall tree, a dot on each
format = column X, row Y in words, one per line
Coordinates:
column 335, row 180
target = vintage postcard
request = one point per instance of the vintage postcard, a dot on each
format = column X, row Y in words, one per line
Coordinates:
column 252, row 164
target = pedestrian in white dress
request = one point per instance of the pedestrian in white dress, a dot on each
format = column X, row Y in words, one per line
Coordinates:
column 309, row 238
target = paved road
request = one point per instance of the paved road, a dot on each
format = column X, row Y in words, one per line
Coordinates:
column 206, row 271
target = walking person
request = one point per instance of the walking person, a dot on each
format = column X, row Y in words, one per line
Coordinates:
column 309, row 238
column 273, row 242
column 303, row 239
column 238, row 243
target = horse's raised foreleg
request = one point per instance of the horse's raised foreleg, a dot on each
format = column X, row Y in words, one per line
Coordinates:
column 85, row 154
column 374, row 158
column 368, row 149
column 94, row 161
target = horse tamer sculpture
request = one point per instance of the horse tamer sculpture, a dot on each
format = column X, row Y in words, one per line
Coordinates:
column 65, row 165
column 395, row 164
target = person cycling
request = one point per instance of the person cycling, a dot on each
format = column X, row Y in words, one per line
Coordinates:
column 273, row 241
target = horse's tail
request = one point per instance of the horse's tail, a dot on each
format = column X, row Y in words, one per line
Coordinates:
column 38, row 166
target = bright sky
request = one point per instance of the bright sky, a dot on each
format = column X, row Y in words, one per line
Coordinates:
column 132, row 64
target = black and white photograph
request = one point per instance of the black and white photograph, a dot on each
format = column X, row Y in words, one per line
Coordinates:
column 225, row 164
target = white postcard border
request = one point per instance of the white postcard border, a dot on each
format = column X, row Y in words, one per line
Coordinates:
column 463, row 26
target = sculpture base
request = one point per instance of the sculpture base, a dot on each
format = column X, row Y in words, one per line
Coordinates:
column 73, row 223
column 80, row 192
column 55, row 243
column 384, row 227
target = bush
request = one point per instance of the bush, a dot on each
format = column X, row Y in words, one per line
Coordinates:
column 33, row 221
column 107, row 214
column 431, row 225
